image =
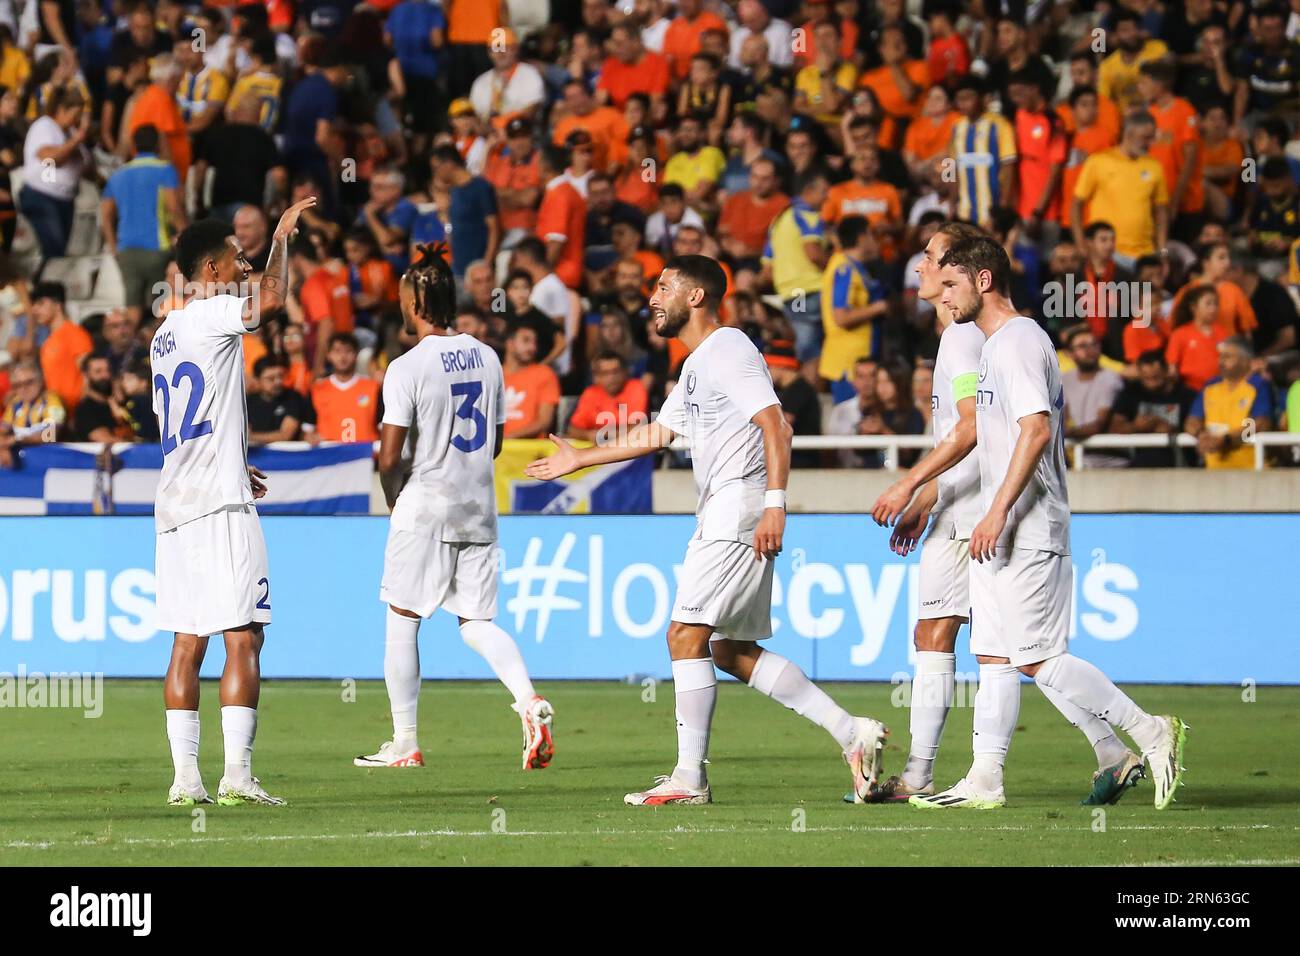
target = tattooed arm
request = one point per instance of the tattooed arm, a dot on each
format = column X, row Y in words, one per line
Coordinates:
column 274, row 286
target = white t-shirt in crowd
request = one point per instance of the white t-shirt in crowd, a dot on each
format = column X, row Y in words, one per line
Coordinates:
column 956, row 375
column 450, row 393
column 1019, row 376
column 780, row 44
column 723, row 384
column 197, row 358
column 522, row 89
column 44, row 176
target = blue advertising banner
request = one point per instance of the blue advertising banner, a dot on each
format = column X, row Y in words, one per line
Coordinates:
column 1160, row 598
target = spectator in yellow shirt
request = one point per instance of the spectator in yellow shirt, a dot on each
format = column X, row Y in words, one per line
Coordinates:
column 1232, row 407
column 823, row 87
column 1117, row 77
column 853, row 304
column 696, row 166
column 1125, row 187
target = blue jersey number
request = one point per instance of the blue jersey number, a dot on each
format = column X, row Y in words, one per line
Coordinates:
column 189, row 430
column 469, row 393
column 264, row 602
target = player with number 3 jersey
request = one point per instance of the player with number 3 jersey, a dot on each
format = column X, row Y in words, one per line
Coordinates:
column 447, row 396
column 211, row 567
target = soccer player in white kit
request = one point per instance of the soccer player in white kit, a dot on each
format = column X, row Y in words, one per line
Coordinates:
column 943, row 490
column 1022, row 582
column 725, row 405
column 448, row 393
column 210, row 562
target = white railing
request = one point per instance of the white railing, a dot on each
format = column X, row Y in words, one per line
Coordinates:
column 891, row 445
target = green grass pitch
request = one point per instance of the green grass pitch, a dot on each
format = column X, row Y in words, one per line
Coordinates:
column 77, row 791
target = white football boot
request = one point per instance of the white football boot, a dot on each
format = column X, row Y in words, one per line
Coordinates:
column 667, row 790
column 863, row 756
column 1166, row 761
column 539, row 747
column 187, row 795
column 232, row 796
column 962, row 795
column 389, row 756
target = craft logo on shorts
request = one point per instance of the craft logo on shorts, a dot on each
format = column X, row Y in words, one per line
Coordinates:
column 690, row 383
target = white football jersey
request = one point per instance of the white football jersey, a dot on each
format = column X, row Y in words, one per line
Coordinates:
column 197, row 358
column 956, row 374
column 449, row 391
column 1019, row 375
column 723, row 384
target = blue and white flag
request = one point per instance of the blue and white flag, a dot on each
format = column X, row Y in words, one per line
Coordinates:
column 61, row 479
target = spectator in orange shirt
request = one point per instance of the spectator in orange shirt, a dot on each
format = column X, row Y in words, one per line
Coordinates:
column 1193, row 348
column 898, row 83
column 682, row 40
column 325, row 298
column 513, row 172
column 64, row 348
column 821, row 11
column 293, row 341
column 470, row 26
column 628, row 237
column 371, row 280
column 562, row 217
column 606, row 126
column 346, row 405
column 1222, row 156
column 1042, row 150
column 532, row 389
column 1147, row 330
column 635, row 183
column 1236, row 316
column 632, row 69
column 865, row 195
column 1177, row 145
column 747, row 215
column 156, row 106
column 949, row 56
column 930, row 134
column 1083, row 73
column 1089, row 136
column 611, row 404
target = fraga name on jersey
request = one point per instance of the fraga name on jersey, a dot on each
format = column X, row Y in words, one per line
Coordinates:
column 164, row 344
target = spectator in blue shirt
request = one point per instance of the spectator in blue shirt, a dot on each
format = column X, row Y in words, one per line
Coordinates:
column 475, row 229
column 415, row 32
column 389, row 216
column 139, row 213
column 95, row 39
column 309, row 118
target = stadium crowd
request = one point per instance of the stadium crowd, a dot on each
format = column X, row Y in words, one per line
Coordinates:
column 1137, row 160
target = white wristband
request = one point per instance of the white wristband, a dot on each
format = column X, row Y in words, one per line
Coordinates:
column 774, row 498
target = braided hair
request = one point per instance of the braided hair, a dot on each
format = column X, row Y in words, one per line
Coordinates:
column 434, row 285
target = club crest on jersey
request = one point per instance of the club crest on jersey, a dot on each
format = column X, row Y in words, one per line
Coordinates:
column 690, row 383
column 984, row 369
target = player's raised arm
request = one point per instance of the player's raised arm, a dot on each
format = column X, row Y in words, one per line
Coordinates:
column 953, row 448
column 641, row 440
column 273, row 288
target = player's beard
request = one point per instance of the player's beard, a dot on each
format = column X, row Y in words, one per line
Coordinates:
column 971, row 313
column 673, row 321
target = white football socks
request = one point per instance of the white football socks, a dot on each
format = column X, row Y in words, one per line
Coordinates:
column 183, row 736
column 502, row 654
column 1085, row 685
column 1108, row 748
column 932, row 693
column 402, row 676
column 997, row 708
column 239, row 728
column 784, row 682
column 695, row 691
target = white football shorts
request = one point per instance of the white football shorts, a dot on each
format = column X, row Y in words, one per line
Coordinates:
column 423, row 573
column 725, row 586
column 945, row 574
column 1021, row 605
column 211, row 573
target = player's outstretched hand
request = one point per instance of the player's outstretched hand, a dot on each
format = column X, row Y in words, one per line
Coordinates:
column 555, row 465
column 890, row 504
column 289, row 221
column 768, row 533
column 984, row 539
column 907, row 531
column 256, row 483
